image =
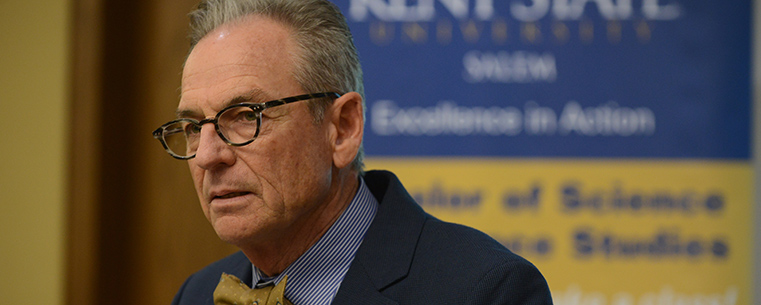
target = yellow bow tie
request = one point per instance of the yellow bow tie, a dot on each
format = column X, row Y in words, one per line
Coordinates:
column 231, row 291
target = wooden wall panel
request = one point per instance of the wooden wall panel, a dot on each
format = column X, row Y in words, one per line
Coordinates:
column 142, row 231
column 84, row 164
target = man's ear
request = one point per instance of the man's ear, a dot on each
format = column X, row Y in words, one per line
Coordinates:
column 347, row 120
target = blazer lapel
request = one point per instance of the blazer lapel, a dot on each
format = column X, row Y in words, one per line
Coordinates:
column 358, row 288
column 387, row 250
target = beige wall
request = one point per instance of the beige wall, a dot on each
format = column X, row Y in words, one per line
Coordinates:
column 33, row 121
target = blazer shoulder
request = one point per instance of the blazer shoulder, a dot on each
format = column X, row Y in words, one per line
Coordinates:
column 411, row 257
column 486, row 272
column 458, row 242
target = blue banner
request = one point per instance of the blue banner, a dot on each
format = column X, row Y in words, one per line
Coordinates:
column 561, row 78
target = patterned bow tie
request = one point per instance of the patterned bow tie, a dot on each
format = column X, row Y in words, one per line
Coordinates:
column 231, row 291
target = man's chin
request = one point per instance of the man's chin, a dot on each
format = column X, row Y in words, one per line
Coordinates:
column 231, row 230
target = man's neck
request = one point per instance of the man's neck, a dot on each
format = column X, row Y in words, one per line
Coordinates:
column 273, row 256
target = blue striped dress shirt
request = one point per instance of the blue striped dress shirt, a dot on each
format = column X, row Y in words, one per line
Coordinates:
column 314, row 278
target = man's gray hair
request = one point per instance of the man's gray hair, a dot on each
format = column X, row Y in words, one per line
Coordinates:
column 328, row 60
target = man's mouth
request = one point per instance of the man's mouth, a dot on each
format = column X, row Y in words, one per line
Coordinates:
column 231, row 195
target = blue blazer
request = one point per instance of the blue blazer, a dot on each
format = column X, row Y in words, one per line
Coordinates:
column 408, row 257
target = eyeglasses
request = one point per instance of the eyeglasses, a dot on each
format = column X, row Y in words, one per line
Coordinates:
column 237, row 125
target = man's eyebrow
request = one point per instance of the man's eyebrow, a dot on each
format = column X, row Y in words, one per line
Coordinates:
column 253, row 96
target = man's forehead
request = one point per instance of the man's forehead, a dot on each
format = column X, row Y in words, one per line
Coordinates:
column 253, row 40
column 236, row 62
column 193, row 107
column 250, row 34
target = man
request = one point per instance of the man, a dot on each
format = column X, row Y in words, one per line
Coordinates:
column 271, row 122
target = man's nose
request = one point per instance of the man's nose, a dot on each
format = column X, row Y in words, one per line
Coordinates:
column 212, row 150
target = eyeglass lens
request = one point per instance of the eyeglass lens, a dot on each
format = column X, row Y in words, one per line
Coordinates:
column 238, row 125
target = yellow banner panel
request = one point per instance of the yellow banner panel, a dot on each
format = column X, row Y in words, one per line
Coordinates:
column 655, row 232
